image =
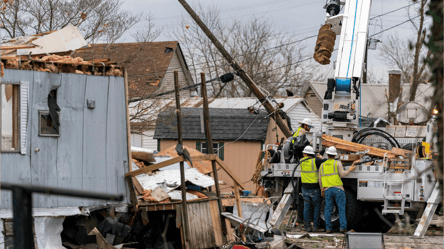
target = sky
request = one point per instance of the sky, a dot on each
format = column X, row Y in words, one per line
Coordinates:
column 294, row 17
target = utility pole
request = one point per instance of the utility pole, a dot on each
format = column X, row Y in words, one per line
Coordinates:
column 182, row 168
column 210, row 149
column 240, row 72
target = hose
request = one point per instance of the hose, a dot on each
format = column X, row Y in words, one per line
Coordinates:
column 359, row 136
column 394, row 144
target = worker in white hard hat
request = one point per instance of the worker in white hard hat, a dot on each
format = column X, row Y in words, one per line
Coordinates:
column 305, row 126
column 311, row 192
column 330, row 174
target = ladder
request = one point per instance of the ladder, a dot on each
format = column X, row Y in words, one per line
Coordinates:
column 388, row 197
column 426, row 218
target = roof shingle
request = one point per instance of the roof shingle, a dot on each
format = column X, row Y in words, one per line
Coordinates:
column 226, row 125
column 146, row 62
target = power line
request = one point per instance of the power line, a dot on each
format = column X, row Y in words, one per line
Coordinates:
column 399, row 24
column 300, row 40
column 393, row 11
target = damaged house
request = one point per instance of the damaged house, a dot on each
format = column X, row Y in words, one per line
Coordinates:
column 63, row 130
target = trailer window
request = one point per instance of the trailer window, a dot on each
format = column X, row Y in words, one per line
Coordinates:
column 10, row 117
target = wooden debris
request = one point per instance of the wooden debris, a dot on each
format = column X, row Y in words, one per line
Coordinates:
column 344, row 145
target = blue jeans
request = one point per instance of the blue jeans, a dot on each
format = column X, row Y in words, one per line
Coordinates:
column 312, row 199
column 335, row 195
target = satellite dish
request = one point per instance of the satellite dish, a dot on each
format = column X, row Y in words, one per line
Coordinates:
column 412, row 111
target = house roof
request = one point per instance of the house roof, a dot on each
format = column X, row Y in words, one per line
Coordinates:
column 144, row 113
column 374, row 101
column 146, row 62
column 226, row 125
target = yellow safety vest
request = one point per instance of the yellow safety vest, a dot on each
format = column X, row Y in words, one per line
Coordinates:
column 296, row 134
column 329, row 174
column 309, row 172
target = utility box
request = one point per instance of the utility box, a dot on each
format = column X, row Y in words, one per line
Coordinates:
column 365, row 240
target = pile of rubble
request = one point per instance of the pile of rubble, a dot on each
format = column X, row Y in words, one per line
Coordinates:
column 51, row 52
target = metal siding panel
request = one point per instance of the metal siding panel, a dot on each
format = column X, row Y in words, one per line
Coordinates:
column 94, row 137
column 71, row 99
column 44, row 162
column 15, row 168
column 116, row 138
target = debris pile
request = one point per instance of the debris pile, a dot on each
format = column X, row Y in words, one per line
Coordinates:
column 50, row 52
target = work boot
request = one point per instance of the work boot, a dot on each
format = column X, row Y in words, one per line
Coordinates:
column 328, row 231
column 343, row 230
column 318, row 230
column 308, row 226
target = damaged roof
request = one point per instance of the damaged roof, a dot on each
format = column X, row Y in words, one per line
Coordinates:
column 226, row 124
column 146, row 62
column 59, row 41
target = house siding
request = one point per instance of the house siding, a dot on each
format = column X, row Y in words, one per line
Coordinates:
column 168, row 80
column 239, row 157
column 75, row 160
column 314, row 102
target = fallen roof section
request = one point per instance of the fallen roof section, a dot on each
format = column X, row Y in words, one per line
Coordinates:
column 51, row 52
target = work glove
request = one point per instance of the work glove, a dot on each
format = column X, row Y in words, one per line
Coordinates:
column 323, row 192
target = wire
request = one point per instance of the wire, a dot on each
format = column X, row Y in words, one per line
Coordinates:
column 393, row 11
column 240, row 135
column 399, row 24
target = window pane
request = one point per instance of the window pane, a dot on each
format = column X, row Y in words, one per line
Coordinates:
column 9, row 119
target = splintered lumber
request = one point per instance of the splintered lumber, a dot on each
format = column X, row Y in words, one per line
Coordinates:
column 230, row 173
column 344, row 145
column 167, row 163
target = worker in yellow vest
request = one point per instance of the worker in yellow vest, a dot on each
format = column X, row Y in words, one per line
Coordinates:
column 305, row 126
column 311, row 192
column 330, row 174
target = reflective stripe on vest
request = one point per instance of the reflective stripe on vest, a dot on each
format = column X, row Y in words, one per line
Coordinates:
column 329, row 174
column 296, row 134
column 309, row 172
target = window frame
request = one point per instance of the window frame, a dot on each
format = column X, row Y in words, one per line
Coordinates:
column 17, row 117
column 219, row 148
column 46, row 112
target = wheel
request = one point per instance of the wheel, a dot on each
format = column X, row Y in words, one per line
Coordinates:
column 353, row 212
column 372, row 222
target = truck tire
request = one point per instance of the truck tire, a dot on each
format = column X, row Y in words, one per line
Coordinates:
column 353, row 212
column 372, row 222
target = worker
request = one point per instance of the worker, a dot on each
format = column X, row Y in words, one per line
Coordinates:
column 330, row 174
column 305, row 126
column 311, row 192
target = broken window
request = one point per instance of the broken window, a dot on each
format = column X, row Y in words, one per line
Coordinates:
column 46, row 125
column 49, row 124
column 10, row 117
column 217, row 147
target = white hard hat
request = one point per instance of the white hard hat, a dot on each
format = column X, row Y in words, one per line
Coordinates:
column 306, row 121
column 331, row 151
column 308, row 150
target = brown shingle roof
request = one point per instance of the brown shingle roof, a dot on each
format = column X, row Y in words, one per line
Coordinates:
column 146, row 62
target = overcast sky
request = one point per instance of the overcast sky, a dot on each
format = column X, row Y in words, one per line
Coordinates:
column 295, row 17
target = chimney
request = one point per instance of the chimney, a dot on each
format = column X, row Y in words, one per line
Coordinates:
column 394, row 84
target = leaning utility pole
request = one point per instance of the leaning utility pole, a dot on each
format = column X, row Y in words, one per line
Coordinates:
column 182, row 167
column 240, row 72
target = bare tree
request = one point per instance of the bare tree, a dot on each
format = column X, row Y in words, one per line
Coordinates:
column 97, row 19
column 409, row 56
column 272, row 59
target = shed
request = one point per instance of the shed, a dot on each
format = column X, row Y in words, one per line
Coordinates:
column 296, row 108
column 238, row 137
